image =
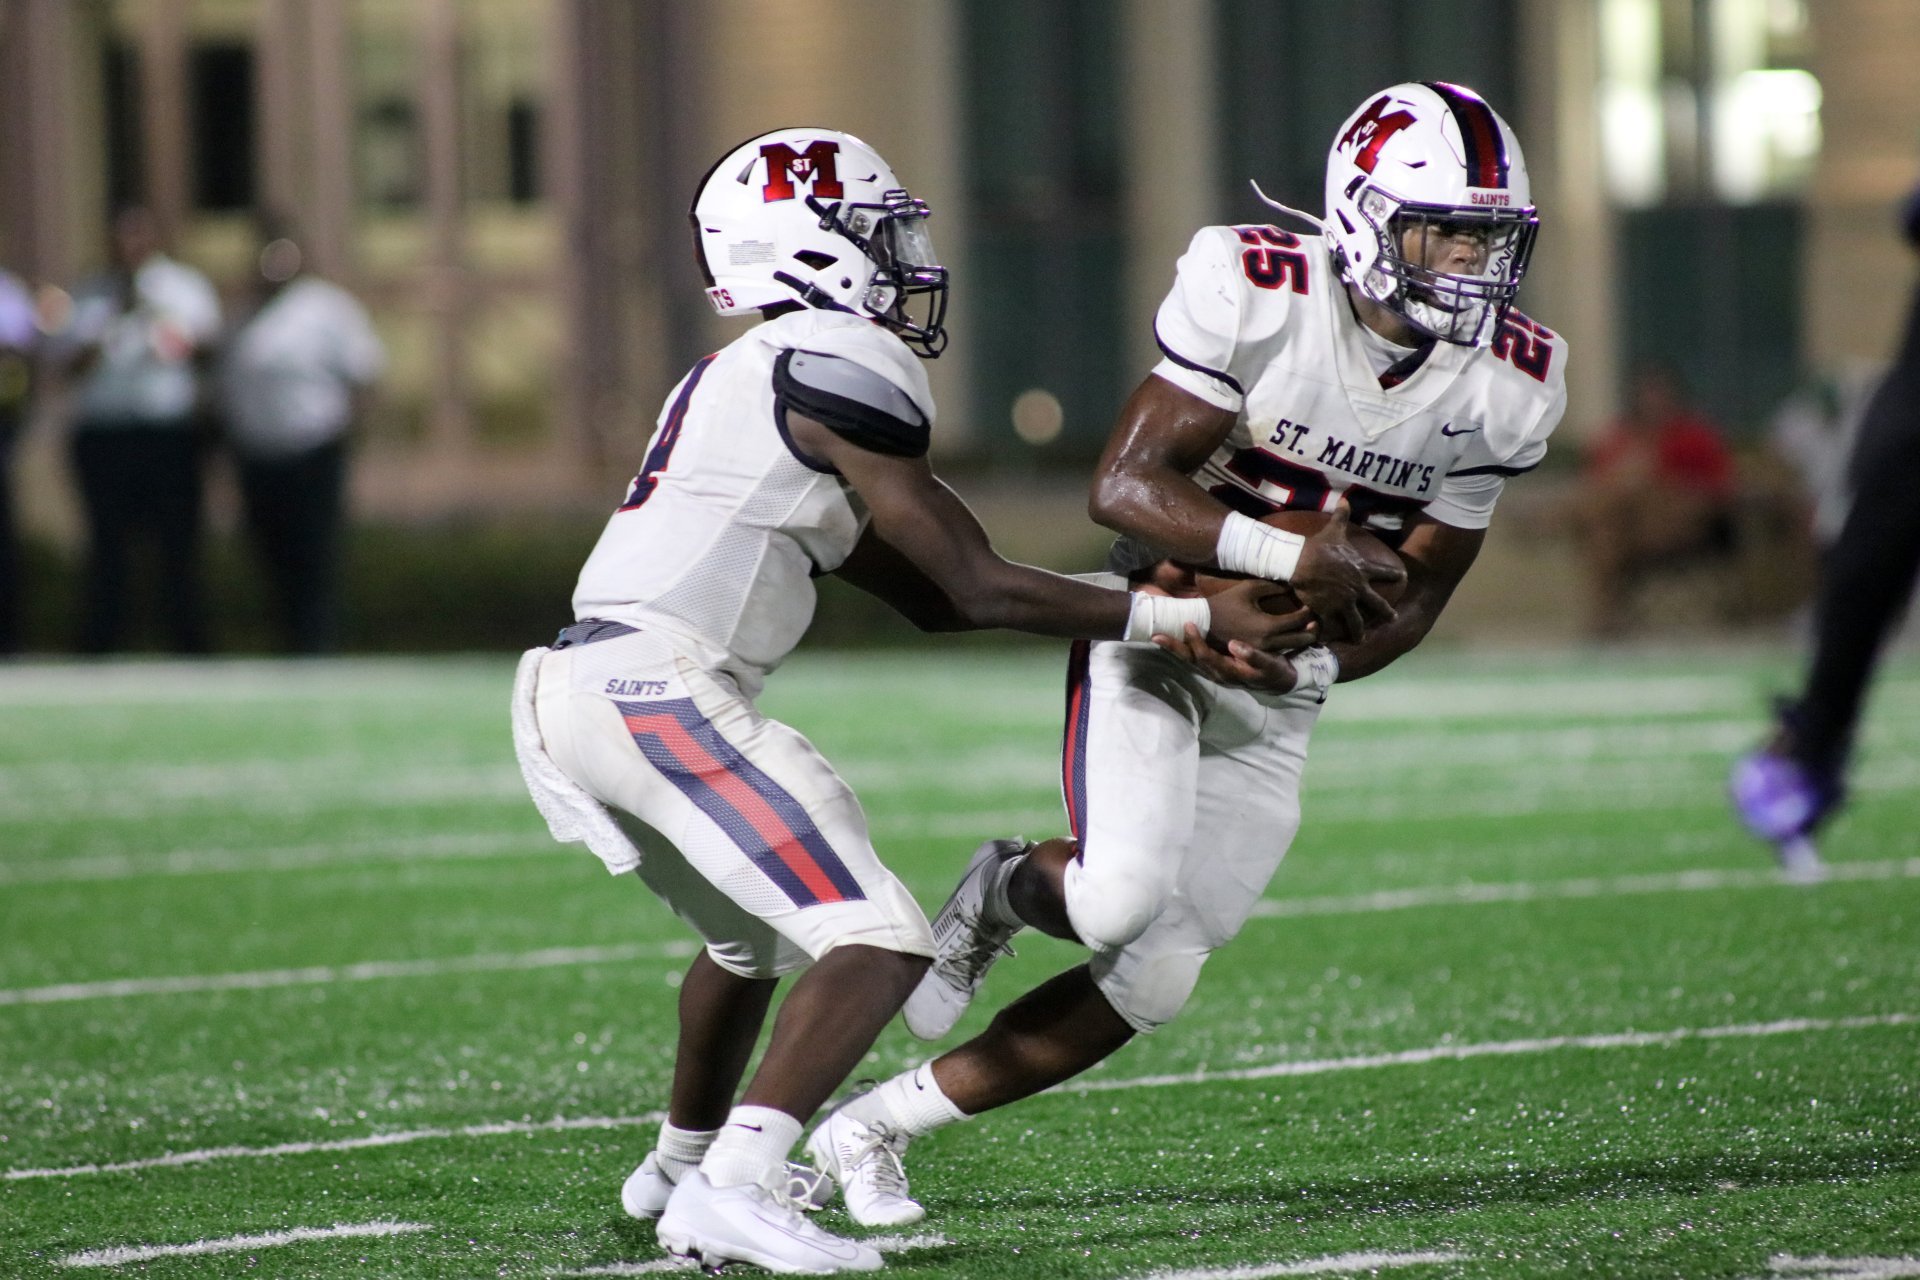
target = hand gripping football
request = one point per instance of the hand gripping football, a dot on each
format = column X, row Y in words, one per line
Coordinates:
column 1176, row 578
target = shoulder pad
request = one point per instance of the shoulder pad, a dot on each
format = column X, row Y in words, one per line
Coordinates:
column 853, row 401
column 1525, row 393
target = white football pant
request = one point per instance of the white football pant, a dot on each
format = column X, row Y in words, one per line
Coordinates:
column 1185, row 796
column 745, row 830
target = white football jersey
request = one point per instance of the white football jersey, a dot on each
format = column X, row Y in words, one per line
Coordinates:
column 727, row 523
column 1258, row 322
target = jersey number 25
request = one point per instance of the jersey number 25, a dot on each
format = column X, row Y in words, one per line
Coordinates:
column 1274, row 259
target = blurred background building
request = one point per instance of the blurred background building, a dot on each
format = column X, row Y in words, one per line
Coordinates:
column 505, row 183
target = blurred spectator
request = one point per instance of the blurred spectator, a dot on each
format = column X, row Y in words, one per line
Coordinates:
column 133, row 343
column 1659, row 484
column 17, row 336
column 294, row 378
column 1785, row 790
column 1814, row 430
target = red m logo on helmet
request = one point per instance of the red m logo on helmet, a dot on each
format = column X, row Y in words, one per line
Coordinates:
column 1371, row 131
column 815, row 165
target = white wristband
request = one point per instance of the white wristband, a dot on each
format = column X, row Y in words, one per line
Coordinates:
column 1247, row 546
column 1153, row 615
column 1315, row 670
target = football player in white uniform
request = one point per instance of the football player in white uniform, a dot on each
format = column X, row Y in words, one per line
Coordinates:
column 797, row 450
column 1379, row 364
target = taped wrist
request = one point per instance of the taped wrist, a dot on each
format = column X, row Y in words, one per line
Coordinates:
column 1315, row 671
column 1153, row 615
column 1247, row 546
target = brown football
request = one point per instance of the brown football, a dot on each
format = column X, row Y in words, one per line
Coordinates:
column 1174, row 578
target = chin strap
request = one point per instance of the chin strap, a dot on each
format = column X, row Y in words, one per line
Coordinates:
column 812, row 294
column 1317, row 224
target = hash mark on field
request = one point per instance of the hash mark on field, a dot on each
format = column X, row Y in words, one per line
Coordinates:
column 1464, row 895
column 1332, row 1265
column 208, row 1155
column 1406, row 1057
column 1500, row 1048
column 549, row 958
column 237, row 1244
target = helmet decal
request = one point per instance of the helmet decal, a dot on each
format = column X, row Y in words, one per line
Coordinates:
column 1371, row 130
column 1479, row 134
column 815, row 165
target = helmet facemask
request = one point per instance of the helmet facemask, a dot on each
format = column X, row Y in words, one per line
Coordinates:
column 907, row 275
column 1463, row 307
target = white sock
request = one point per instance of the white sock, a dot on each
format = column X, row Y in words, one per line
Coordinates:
column 911, row 1102
column 998, row 908
column 753, row 1143
column 678, row 1151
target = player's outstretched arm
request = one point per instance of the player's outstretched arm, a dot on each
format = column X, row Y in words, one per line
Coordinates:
column 878, row 568
column 1144, row 486
column 926, row 523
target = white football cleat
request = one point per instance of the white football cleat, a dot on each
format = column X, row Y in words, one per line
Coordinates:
column 965, row 946
column 647, row 1189
column 865, row 1161
column 714, row 1226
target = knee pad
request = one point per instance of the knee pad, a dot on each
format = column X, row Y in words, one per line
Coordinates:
column 1110, row 912
column 1150, row 993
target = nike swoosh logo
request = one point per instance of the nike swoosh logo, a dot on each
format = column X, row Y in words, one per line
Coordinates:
column 826, row 1242
column 1448, row 430
column 756, row 1128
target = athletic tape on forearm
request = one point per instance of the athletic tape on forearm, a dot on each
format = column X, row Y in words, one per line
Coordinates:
column 1165, row 616
column 1247, row 546
column 1315, row 671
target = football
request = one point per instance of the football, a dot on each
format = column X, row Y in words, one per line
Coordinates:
column 1174, row 578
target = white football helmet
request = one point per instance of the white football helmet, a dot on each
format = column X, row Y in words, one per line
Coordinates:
column 815, row 216
column 1421, row 160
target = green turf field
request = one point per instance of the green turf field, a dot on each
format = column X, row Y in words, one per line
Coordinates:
column 290, row 973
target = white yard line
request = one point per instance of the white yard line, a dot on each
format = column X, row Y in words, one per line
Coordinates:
column 549, row 958
column 302, row 857
column 901, row 1244
column 47, row 794
column 1336, row 1264
column 885, row 1244
column 1500, row 1048
column 1406, row 1057
column 208, row 1155
column 1821, row 1267
column 1274, row 908
column 968, row 824
column 1465, row 895
column 238, row 1244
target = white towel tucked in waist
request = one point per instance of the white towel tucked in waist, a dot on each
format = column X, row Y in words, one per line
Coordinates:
column 572, row 815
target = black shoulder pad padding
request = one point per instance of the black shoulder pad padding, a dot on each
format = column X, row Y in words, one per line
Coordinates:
column 853, row 402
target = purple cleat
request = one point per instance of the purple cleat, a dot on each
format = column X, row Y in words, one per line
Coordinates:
column 1782, row 801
